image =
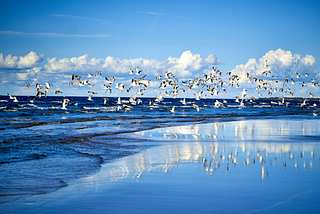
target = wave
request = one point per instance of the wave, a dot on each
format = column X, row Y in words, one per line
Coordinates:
column 17, row 119
column 111, row 108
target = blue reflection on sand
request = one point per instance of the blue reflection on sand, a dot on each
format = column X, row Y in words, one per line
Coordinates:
column 233, row 167
column 254, row 166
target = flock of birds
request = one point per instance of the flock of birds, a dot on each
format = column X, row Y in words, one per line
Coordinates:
column 212, row 83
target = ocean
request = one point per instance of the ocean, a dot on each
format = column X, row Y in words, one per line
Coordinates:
column 45, row 148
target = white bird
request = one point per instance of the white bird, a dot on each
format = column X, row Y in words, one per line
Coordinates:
column 183, row 101
column 303, row 103
column 48, row 85
column 15, row 100
column 217, row 104
column 172, row 110
column 244, row 93
column 105, row 101
column 197, row 108
column 137, row 71
column 10, row 97
column 241, row 103
column 64, row 103
column 120, row 86
column 90, row 97
column 119, row 102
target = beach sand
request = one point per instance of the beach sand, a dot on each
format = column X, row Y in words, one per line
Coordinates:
column 251, row 166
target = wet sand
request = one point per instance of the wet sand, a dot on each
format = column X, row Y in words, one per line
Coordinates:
column 253, row 166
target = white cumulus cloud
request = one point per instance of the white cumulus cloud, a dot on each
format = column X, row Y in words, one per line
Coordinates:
column 185, row 65
column 281, row 63
column 20, row 62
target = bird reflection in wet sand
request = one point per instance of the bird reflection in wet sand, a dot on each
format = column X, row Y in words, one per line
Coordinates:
column 212, row 154
column 222, row 157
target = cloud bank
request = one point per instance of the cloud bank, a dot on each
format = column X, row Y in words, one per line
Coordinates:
column 20, row 62
column 185, row 65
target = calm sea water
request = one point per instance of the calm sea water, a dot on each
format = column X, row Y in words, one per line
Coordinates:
column 44, row 147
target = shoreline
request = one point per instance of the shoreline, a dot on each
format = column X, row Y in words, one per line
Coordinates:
column 199, row 135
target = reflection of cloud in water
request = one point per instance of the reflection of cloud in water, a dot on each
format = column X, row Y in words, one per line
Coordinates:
column 219, row 147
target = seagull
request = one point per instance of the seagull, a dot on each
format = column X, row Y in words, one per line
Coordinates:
column 10, row 97
column 39, row 94
column 120, row 86
column 90, row 85
column 90, row 75
column 57, row 92
column 172, row 110
column 137, row 71
column 217, row 104
column 28, row 84
column 97, row 72
column 109, row 81
column 15, row 100
column 244, row 93
column 105, row 101
column 48, row 85
column 90, row 97
column 119, row 101
column 126, row 108
column 304, row 103
column 196, row 107
column 158, row 77
column 183, row 101
column 266, row 73
column 64, row 103
column 126, row 89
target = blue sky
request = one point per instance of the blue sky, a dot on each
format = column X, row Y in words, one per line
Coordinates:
column 151, row 33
